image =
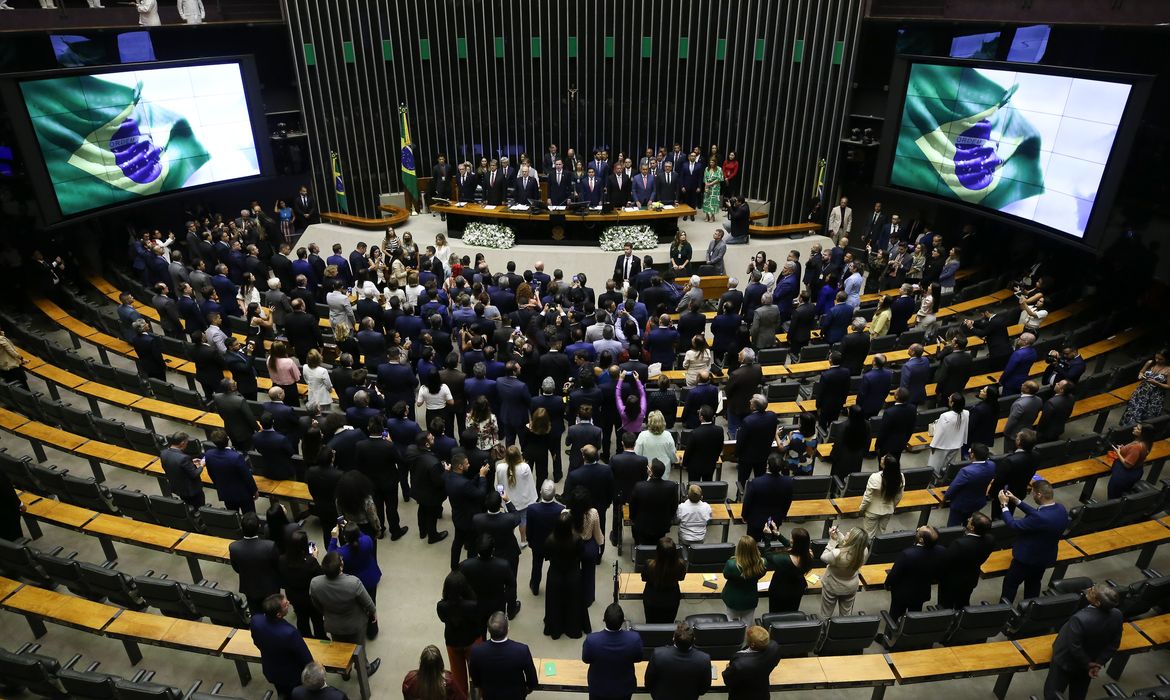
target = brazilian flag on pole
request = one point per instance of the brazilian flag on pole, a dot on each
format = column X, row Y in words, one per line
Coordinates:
column 102, row 144
column 960, row 138
column 338, row 183
column 409, row 176
column 819, row 187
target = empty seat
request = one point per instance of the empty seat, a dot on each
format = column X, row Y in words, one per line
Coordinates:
column 917, row 478
column 168, row 596
column 782, row 391
column 87, row 493
column 222, row 522
column 109, row 430
column 853, row 485
column 773, row 356
column 709, row 558
column 32, row 672
column 815, row 353
column 50, row 477
column 65, row 571
column 1042, row 615
column 134, row 504
column 654, row 635
column 88, row 685
column 1094, row 516
column 17, row 471
column 720, row 639
column 916, row 630
column 221, row 607
column 107, row 583
column 848, row 634
column 811, row 487
column 138, row 690
column 977, row 623
column 643, row 554
column 172, row 512
column 795, row 632
column 885, row 548
column 142, row 440
column 1048, row 454
column 1141, row 597
column 77, row 421
column 882, row 343
column 1142, row 503
column 19, row 562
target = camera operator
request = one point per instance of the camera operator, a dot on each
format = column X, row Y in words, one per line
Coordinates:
column 1066, row 364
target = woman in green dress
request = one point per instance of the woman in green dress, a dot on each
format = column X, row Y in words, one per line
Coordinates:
column 712, row 189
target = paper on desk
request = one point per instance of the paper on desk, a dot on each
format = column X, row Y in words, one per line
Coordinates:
column 489, row 207
column 557, row 208
column 598, row 208
column 520, row 207
column 668, row 206
column 460, row 204
column 763, row 586
column 550, row 668
column 630, row 209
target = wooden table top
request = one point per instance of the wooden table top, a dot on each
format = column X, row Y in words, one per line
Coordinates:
column 51, row 436
column 108, row 394
column 861, row 669
column 1122, row 538
column 60, row 376
column 8, row 587
column 60, row 513
column 127, row 530
column 503, row 212
column 1075, row 471
column 10, row 420
column 1000, row 560
column 924, row 664
column 62, row 608
column 167, row 410
column 1157, row 629
column 911, row 500
column 334, row 656
column 203, row 546
column 632, row 586
column 119, row 456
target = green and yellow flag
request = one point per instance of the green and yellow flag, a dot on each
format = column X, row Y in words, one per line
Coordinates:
column 338, row 183
column 960, row 139
column 103, row 145
column 409, row 176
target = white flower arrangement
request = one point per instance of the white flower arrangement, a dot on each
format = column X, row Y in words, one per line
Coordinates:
column 640, row 237
column 489, row 235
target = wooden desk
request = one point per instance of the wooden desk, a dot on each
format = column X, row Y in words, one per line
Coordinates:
column 336, row 657
column 10, row 420
column 40, row 605
column 205, row 546
column 924, row 664
column 59, row 513
column 999, row 561
column 118, row 456
column 1156, row 629
column 917, row 499
column 1145, row 536
column 624, row 217
column 863, row 669
column 8, row 587
column 126, row 530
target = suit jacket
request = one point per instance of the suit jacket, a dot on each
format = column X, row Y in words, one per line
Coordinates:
column 542, row 519
column 653, row 504
column 182, row 474
column 343, row 602
column 840, row 222
column 577, row 436
column 954, row 371
column 767, row 496
column 968, row 491
column 915, row 376
column 753, row 442
column 283, row 652
column 804, row 319
column 1091, row 635
column 896, row 428
column 560, row 192
column 703, row 450
column 1014, row 472
column 1019, row 366
column 872, row 392
column 875, row 226
column 467, row 184
column 1023, row 414
column 664, row 191
column 240, row 364
column 629, row 470
column 1057, row 411
column 901, row 310
column 502, row 527
column 526, row 193
column 303, row 333
column 746, row 677
column 835, row 324
column 913, row 573
column 591, row 192
column 232, row 478
column 427, row 485
column 765, row 323
column 994, row 330
column 150, row 357
column 618, row 195
column 643, row 191
column 493, row 187
column 961, row 563
column 378, row 460
column 255, row 560
column 1038, row 533
column 854, row 349
column 276, row 455
column 466, row 492
column 305, row 207
column 502, row 670
column 597, row 478
column 833, row 392
column 673, row 674
column 611, row 656
column 238, row 420
column 699, row 396
column 692, row 176
column 514, row 401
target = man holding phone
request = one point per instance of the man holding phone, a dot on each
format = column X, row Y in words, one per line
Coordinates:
column 1037, row 541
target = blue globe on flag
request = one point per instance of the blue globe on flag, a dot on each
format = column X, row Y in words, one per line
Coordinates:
column 407, row 158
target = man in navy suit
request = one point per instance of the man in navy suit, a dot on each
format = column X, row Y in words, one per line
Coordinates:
column 500, row 668
column 666, row 184
column 478, row 385
column 690, row 190
column 542, row 517
column 994, row 330
column 598, row 166
column 768, row 497
column 611, row 654
column 627, row 266
column 283, row 652
column 149, row 350
column 834, row 390
column 1019, row 365
column 284, row 419
column 342, row 263
column 901, row 310
column 786, row 290
column 835, row 323
column 967, row 494
column 1037, row 539
column 276, row 451
column 893, row 231
column 560, row 185
column 914, row 571
column 753, row 440
column 962, row 562
column 255, row 559
column 875, row 385
column 526, row 188
column 897, row 425
column 467, row 182
column 643, row 187
column 579, row 435
column 1067, row 364
column 492, row 183
column 597, row 478
column 1085, row 644
column 704, row 393
column 514, row 402
column 313, row 686
column 618, row 187
column 916, row 374
column 230, row 474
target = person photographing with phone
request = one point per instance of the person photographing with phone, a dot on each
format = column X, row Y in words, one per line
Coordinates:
column 1038, row 536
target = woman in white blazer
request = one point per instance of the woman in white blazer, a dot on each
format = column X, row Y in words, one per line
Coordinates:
column 950, row 433
column 883, row 493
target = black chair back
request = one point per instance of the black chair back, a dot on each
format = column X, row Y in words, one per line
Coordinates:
column 917, row 630
column 709, row 558
column 33, row 672
column 654, row 635
column 1042, row 615
column 848, row 634
column 720, row 639
column 797, row 636
column 885, row 548
column 221, row 607
column 811, row 487
column 977, row 623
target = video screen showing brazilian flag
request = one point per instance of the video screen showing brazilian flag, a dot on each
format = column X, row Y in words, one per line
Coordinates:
column 1026, row 144
column 113, row 137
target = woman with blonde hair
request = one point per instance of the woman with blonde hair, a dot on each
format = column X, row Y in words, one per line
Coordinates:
column 514, row 474
column 697, row 359
column 656, row 443
column 442, row 249
column 317, row 378
column 742, row 573
column 842, row 558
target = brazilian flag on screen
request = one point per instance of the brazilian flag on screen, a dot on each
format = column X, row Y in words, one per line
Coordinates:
column 409, row 176
column 961, row 139
column 102, row 144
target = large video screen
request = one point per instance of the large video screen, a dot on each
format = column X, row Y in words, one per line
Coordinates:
column 1028, row 144
column 113, row 137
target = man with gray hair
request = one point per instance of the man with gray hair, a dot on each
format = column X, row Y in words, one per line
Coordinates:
column 149, row 350
column 1085, row 644
column 765, row 323
column 742, row 384
column 753, row 440
column 813, row 272
column 313, row 686
column 732, row 296
column 542, row 518
column 692, row 292
column 501, row 667
column 279, row 302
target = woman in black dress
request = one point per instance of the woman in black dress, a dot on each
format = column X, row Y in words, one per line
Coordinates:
column 983, row 416
column 297, row 566
column 459, row 612
column 788, row 570
column 537, row 441
column 564, row 609
column 661, row 596
column 849, row 449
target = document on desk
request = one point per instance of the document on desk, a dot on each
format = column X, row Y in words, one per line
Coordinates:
column 596, row 208
column 630, row 209
column 668, row 206
column 557, row 208
column 521, row 207
column 460, row 204
column 489, row 207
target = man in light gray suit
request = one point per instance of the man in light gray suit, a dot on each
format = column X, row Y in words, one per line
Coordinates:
column 238, row 420
column 278, row 301
column 840, row 220
column 692, row 292
column 765, row 323
column 716, row 249
column 344, row 603
column 182, row 471
column 168, row 311
column 178, row 270
column 1023, row 414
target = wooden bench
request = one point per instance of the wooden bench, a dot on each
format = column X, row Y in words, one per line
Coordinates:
column 378, row 224
column 398, row 215
column 38, row 606
column 713, row 286
column 784, row 230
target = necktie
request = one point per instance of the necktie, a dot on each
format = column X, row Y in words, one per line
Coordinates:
column 619, row 181
column 875, row 216
column 643, row 181
column 493, row 182
column 526, row 183
column 668, row 178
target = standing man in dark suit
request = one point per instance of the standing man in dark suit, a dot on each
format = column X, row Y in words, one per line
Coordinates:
column 854, row 347
column 653, row 504
column 679, row 671
column 753, row 442
column 581, row 435
column 467, row 181
column 427, row 486
column 254, row 559
column 746, row 677
column 618, row 187
column 967, row 493
column 502, row 669
column 916, row 375
column 229, row 472
column 597, row 478
column 1014, row 471
column 238, row 361
column 704, row 447
column 499, row 519
column 629, row 470
column 611, row 654
column 768, row 497
column 800, row 328
column 542, row 518
column 743, row 383
column 527, row 187
column 1085, row 644
column 875, row 226
column 913, row 573
column 627, row 265
column 560, row 185
column 895, row 230
column 592, row 187
column 1057, row 411
column 954, row 370
column 1037, row 539
column 874, row 387
column 901, row 310
column 377, row 458
column 897, row 425
column 238, row 420
column 690, row 186
column 302, row 330
column 283, row 652
column 962, row 562
column 493, row 185
column 305, row 208
column 834, row 390
column 466, row 491
column 514, row 403
column 994, row 330
column 148, row 348
column 182, row 471
column 666, row 184
column 836, row 320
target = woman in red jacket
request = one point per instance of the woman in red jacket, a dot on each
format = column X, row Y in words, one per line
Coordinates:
column 730, row 177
